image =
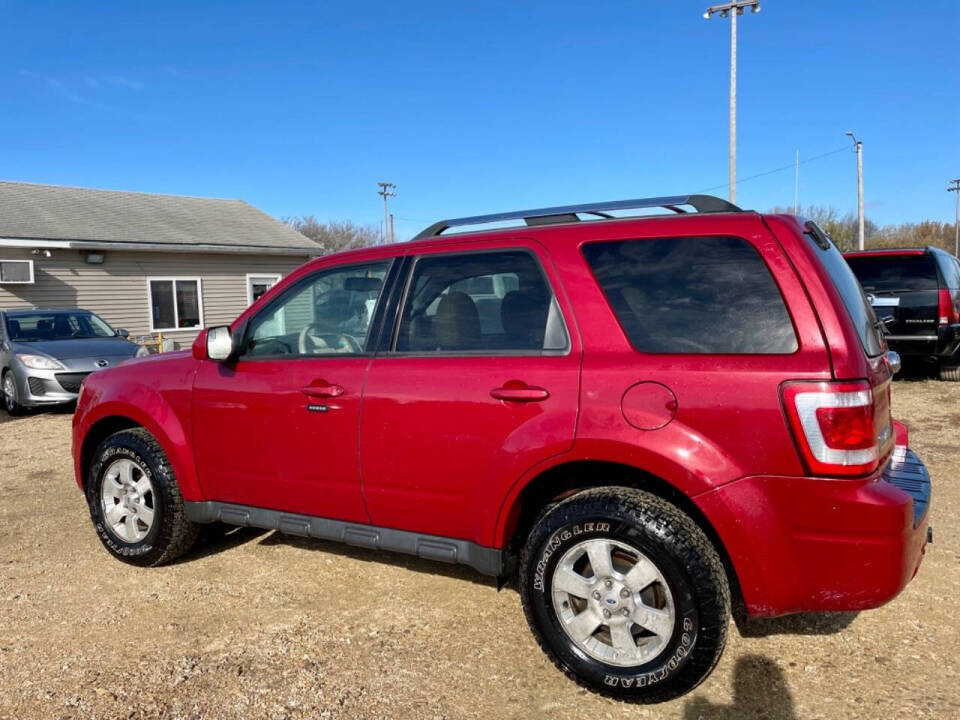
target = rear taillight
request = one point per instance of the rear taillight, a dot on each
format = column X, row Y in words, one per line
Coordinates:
column 947, row 313
column 838, row 426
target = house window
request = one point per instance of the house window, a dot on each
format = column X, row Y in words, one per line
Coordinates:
column 16, row 272
column 175, row 303
column 257, row 286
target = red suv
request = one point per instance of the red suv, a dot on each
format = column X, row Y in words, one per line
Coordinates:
column 643, row 419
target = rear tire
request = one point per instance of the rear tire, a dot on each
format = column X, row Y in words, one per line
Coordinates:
column 950, row 373
column 659, row 611
column 8, row 388
column 135, row 502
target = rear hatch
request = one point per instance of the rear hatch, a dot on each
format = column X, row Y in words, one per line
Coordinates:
column 903, row 290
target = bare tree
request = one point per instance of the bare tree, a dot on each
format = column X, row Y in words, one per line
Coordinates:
column 842, row 229
column 335, row 235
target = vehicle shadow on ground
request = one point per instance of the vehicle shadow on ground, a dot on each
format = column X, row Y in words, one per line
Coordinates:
column 917, row 372
column 218, row 537
column 760, row 690
column 408, row 562
column 800, row 624
column 6, row 417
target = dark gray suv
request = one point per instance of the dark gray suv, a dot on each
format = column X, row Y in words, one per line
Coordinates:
column 915, row 293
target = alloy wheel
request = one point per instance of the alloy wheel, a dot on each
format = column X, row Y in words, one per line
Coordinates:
column 9, row 392
column 127, row 496
column 613, row 602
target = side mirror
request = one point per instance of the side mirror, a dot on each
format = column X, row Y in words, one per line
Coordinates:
column 123, row 332
column 219, row 343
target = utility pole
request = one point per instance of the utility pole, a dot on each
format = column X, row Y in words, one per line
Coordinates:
column 956, row 222
column 387, row 190
column 733, row 9
column 858, row 144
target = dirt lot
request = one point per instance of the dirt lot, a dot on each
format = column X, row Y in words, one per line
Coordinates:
column 255, row 624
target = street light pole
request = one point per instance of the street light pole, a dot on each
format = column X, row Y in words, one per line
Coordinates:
column 733, row 9
column 387, row 190
column 858, row 144
column 956, row 221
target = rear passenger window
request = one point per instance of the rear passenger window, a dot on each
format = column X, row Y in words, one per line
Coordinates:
column 480, row 303
column 693, row 295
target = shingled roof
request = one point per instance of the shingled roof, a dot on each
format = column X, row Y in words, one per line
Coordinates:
column 105, row 217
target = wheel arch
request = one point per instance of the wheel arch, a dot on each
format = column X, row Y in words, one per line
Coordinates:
column 97, row 433
column 113, row 417
column 564, row 480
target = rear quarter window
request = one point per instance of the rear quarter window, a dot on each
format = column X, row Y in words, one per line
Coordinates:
column 949, row 270
column 850, row 291
column 694, row 295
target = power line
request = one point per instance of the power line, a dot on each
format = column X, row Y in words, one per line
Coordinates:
column 791, row 166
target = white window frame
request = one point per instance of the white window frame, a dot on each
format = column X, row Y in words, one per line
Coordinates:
column 275, row 277
column 19, row 282
column 176, row 316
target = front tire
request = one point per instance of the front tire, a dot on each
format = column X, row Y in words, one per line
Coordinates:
column 135, row 502
column 626, row 594
column 8, row 388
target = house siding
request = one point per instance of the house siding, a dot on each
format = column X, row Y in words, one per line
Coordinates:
column 117, row 289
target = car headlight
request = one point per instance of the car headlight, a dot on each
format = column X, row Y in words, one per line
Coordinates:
column 142, row 351
column 39, row 362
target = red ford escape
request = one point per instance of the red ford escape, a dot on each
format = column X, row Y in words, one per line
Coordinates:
column 641, row 418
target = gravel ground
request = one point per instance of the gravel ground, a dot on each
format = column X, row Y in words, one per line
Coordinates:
column 253, row 624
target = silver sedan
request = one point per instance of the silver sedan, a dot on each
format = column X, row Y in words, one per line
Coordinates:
column 46, row 354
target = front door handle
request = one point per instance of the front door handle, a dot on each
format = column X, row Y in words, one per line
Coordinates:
column 323, row 390
column 517, row 391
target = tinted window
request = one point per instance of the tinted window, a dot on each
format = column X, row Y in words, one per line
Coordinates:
column 896, row 273
column 949, row 270
column 327, row 314
column 693, row 295
column 850, row 291
column 480, row 302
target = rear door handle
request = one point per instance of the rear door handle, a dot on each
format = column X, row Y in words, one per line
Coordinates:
column 517, row 391
column 323, row 391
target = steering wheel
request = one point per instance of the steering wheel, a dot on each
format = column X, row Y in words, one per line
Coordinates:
column 314, row 338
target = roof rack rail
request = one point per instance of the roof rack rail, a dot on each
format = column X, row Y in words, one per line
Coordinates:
column 569, row 213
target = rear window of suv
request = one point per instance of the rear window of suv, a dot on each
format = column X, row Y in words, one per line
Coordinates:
column 895, row 273
column 693, row 295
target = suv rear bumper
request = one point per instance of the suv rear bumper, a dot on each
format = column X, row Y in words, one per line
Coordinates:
column 817, row 544
column 944, row 343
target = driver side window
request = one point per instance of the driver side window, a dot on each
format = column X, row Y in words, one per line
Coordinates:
column 328, row 313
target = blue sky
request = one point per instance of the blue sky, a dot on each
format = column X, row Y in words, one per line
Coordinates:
column 300, row 108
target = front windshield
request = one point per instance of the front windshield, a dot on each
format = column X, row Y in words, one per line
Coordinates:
column 37, row 326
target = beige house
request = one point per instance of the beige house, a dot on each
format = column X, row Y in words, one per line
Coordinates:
column 146, row 263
